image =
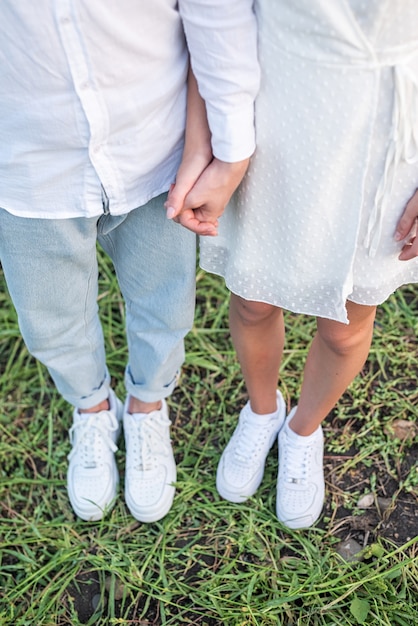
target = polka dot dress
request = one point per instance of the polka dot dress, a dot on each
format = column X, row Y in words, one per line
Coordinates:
column 313, row 223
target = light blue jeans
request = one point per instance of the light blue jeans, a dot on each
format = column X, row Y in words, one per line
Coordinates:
column 52, row 276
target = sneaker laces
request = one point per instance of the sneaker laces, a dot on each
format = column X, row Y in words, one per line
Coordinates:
column 248, row 440
column 147, row 439
column 88, row 433
column 296, row 464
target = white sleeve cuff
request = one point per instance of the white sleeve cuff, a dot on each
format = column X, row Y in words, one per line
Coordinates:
column 233, row 134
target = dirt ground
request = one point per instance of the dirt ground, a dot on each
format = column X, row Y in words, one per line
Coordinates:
column 391, row 513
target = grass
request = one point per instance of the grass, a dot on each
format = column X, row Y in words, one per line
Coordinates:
column 210, row 562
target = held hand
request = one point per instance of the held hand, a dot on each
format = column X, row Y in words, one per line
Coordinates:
column 406, row 228
column 188, row 173
column 207, row 199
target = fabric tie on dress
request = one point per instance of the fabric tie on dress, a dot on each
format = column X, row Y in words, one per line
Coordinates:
column 403, row 146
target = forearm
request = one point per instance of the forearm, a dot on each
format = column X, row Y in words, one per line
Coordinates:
column 198, row 136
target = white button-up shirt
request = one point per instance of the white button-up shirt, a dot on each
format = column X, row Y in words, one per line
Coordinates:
column 93, row 97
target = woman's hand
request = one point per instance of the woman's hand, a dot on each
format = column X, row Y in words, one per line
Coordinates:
column 406, row 229
column 199, row 209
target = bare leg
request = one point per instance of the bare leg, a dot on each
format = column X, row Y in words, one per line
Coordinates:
column 337, row 354
column 135, row 406
column 258, row 334
column 138, row 406
column 257, row 331
column 103, row 406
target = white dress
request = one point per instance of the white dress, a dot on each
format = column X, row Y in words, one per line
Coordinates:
column 313, row 223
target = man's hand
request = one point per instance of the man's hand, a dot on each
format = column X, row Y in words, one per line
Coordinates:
column 407, row 227
column 199, row 209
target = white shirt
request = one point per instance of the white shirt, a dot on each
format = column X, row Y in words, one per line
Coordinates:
column 92, row 97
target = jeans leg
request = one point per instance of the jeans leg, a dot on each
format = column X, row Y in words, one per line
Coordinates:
column 50, row 268
column 155, row 262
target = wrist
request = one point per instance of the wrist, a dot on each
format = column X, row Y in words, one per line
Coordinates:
column 199, row 157
column 237, row 165
column 234, row 169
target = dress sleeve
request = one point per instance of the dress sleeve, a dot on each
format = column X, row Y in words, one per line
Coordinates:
column 222, row 40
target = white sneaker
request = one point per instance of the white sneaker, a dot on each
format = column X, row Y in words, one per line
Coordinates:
column 300, row 482
column 241, row 467
column 92, row 478
column 150, row 465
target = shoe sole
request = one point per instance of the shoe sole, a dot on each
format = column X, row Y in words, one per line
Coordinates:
column 153, row 514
